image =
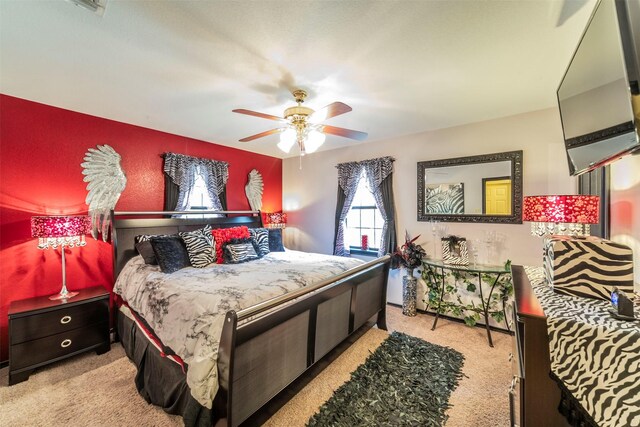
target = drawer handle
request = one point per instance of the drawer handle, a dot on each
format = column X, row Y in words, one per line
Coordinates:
column 66, row 343
column 510, row 357
column 65, row 320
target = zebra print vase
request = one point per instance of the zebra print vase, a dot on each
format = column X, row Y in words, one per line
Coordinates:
column 409, row 294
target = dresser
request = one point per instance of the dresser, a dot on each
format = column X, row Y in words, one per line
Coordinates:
column 533, row 395
column 43, row 331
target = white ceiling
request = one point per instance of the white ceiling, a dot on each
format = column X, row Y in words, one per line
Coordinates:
column 182, row 66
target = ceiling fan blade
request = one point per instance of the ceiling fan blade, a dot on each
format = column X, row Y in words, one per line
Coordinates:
column 260, row 135
column 255, row 113
column 347, row 133
column 331, row 110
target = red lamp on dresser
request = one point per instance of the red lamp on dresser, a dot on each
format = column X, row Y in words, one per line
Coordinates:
column 61, row 231
column 561, row 215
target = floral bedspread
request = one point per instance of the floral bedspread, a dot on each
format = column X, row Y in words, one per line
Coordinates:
column 186, row 309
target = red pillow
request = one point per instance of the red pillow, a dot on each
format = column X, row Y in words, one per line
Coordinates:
column 223, row 235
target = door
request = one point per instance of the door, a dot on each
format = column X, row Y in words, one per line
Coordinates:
column 497, row 196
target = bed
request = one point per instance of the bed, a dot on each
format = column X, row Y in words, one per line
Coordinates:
column 260, row 327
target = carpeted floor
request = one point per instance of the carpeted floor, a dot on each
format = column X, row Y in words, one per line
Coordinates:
column 99, row 390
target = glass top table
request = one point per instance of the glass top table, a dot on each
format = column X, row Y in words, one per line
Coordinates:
column 471, row 268
column 488, row 303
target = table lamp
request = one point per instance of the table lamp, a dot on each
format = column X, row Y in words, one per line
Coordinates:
column 561, row 215
column 61, row 231
column 276, row 220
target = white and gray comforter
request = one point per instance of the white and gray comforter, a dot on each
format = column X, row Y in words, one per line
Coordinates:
column 186, row 309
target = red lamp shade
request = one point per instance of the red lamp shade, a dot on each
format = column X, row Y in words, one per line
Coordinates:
column 60, row 226
column 276, row 220
column 577, row 209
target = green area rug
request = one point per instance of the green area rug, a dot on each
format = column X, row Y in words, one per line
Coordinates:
column 405, row 382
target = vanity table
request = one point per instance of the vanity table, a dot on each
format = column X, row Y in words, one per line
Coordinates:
column 491, row 285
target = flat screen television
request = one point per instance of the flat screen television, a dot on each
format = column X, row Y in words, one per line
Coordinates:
column 599, row 96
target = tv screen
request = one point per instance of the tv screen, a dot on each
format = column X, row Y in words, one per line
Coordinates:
column 595, row 95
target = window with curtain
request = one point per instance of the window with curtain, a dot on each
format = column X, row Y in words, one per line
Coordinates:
column 364, row 219
column 365, row 205
column 193, row 183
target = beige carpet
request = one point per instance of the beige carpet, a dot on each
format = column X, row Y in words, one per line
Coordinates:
column 99, row 390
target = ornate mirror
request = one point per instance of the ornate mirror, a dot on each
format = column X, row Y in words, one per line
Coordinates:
column 485, row 188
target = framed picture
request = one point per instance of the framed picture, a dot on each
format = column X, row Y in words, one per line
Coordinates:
column 444, row 198
column 454, row 250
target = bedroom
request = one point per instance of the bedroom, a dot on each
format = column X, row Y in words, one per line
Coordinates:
column 426, row 80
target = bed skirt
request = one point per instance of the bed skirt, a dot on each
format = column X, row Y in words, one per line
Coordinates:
column 161, row 381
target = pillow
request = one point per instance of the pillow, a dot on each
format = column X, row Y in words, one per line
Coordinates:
column 260, row 237
column 275, row 240
column 147, row 237
column 200, row 247
column 223, row 235
column 239, row 250
column 171, row 253
column 145, row 249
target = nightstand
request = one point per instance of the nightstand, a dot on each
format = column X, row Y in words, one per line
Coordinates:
column 42, row 331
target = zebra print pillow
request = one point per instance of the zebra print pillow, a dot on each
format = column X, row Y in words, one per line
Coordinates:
column 200, row 246
column 260, row 237
column 239, row 250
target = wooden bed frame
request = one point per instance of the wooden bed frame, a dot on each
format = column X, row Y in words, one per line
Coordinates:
column 265, row 347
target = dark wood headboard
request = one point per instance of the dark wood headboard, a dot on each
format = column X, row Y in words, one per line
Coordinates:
column 127, row 225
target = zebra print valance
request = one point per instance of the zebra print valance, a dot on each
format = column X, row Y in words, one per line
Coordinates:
column 596, row 357
column 179, row 167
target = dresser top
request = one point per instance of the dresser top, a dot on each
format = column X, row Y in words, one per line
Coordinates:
column 45, row 304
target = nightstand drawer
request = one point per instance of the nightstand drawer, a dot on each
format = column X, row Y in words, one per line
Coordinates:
column 31, row 353
column 52, row 322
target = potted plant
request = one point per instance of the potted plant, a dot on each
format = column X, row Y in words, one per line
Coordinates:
column 409, row 256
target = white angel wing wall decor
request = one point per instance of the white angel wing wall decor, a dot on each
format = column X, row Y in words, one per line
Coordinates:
column 253, row 189
column 105, row 182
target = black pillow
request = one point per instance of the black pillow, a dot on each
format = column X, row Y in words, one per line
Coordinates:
column 145, row 249
column 171, row 253
column 260, row 238
column 275, row 240
column 236, row 251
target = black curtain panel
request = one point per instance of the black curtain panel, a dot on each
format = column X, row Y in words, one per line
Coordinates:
column 596, row 183
column 386, row 188
column 171, row 193
column 339, row 207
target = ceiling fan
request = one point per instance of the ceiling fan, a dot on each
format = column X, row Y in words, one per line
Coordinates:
column 301, row 125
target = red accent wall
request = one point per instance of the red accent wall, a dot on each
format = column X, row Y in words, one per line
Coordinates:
column 41, row 148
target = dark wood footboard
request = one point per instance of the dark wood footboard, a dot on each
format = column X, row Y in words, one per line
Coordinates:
column 266, row 347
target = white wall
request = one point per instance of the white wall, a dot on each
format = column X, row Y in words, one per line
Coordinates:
column 625, row 207
column 309, row 194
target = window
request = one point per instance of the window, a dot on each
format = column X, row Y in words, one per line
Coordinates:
column 363, row 219
column 199, row 199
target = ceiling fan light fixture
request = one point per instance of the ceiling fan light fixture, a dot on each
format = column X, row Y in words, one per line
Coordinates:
column 314, row 140
column 287, row 140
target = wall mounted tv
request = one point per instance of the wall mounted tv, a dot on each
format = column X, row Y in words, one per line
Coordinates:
column 599, row 96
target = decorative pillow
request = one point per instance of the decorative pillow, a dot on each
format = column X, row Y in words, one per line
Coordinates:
column 200, row 247
column 223, row 235
column 239, row 250
column 171, row 253
column 275, row 240
column 145, row 249
column 147, row 237
column 260, row 237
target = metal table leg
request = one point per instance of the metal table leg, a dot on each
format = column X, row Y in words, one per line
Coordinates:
column 435, row 321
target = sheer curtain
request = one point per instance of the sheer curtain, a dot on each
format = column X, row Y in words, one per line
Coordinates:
column 180, row 173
